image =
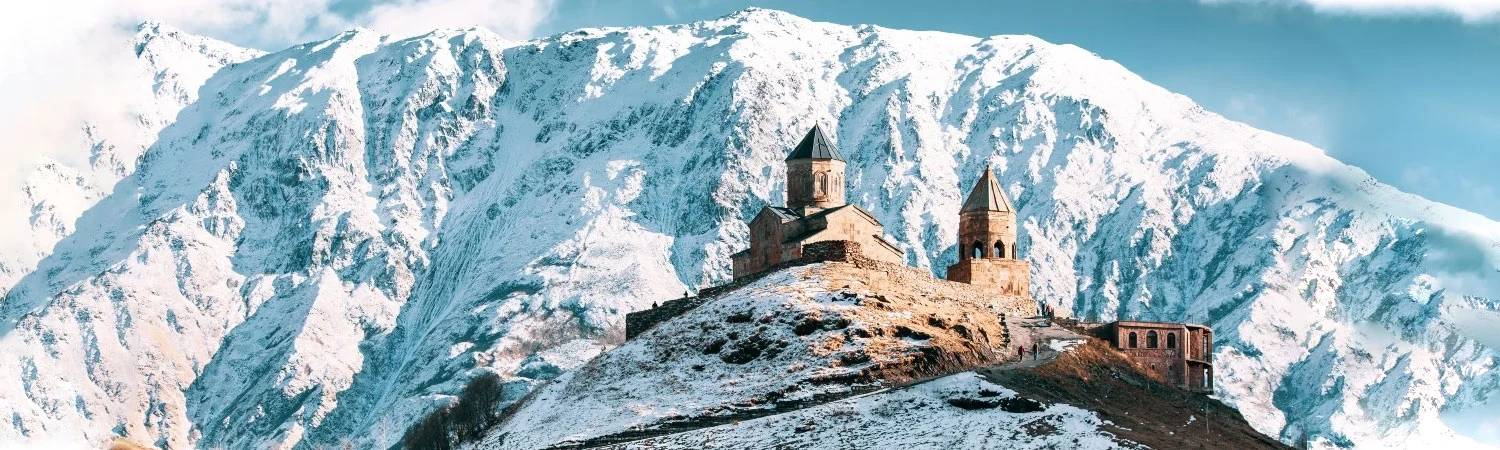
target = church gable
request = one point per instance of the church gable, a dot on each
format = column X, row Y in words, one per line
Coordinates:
column 773, row 215
column 769, row 228
column 815, row 212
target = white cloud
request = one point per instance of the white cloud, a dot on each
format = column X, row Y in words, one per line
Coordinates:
column 1421, row 178
column 65, row 63
column 1282, row 117
column 1468, row 10
column 509, row 18
column 1479, row 193
column 1478, row 196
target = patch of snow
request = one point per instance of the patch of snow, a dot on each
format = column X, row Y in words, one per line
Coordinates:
column 918, row 416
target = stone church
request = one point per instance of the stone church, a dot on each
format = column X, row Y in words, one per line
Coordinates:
column 815, row 211
column 816, row 218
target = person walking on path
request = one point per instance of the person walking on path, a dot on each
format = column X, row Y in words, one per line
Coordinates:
column 1021, row 352
column 1034, row 351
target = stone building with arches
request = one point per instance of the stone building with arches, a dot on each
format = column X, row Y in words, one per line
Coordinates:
column 1181, row 353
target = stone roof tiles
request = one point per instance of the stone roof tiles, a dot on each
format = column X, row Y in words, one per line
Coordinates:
column 987, row 195
column 815, row 146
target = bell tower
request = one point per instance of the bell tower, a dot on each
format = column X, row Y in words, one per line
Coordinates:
column 987, row 223
column 987, row 253
column 814, row 174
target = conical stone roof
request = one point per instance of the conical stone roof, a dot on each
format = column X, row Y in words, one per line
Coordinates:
column 987, row 195
column 815, row 146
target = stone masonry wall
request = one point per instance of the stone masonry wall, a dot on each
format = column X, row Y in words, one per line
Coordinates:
column 881, row 274
column 640, row 321
column 1002, row 276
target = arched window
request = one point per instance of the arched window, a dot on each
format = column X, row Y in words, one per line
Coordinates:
column 1132, row 339
column 1171, row 340
column 999, row 249
column 1151, row 339
column 820, row 185
column 1206, row 350
column 978, row 251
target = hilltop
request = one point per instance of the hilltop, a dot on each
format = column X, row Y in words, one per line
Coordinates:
column 816, row 356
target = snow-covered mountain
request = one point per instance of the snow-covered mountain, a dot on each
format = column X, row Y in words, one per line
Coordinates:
column 332, row 238
column 171, row 65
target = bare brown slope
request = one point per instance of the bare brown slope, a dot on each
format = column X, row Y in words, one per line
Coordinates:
column 1138, row 404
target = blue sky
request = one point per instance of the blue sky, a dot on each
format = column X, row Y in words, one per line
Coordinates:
column 1409, row 95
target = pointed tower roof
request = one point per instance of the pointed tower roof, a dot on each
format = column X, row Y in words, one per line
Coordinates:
column 987, row 195
column 815, row 146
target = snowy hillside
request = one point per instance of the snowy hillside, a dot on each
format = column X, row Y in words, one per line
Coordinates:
column 332, row 238
column 803, row 335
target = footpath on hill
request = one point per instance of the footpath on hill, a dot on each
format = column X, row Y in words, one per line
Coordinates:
column 1050, row 341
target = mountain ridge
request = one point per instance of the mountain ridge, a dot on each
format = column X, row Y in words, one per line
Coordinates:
column 366, row 223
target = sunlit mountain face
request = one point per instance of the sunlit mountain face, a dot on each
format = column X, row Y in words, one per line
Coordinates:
column 324, row 243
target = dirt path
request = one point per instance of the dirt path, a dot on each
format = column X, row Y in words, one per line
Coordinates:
column 1049, row 338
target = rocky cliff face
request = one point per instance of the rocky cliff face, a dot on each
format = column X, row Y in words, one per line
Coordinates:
column 331, row 238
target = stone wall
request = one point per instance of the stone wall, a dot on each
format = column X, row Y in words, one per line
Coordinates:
column 1001, row 276
column 881, row 274
column 1200, row 376
column 985, row 228
column 640, row 321
column 844, row 251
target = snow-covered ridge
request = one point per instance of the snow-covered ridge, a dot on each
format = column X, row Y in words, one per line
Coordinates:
column 171, row 65
column 332, row 238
